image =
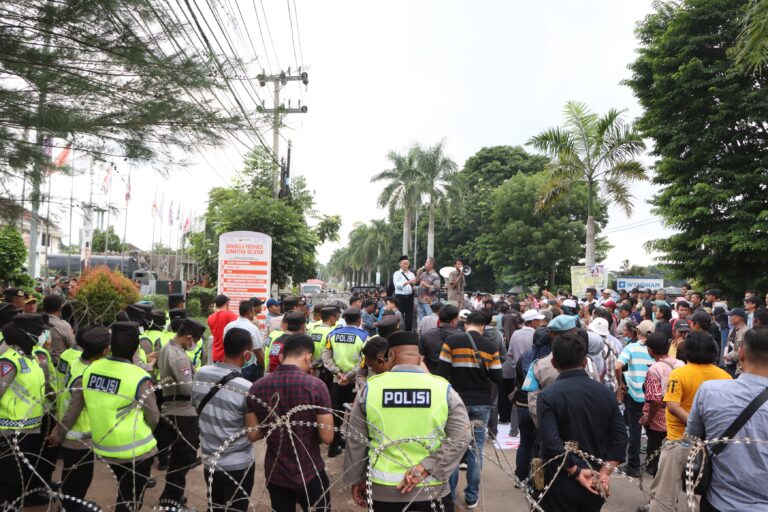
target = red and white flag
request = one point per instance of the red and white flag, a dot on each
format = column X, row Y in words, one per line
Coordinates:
column 187, row 222
column 107, row 178
column 128, row 189
column 63, row 157
column 154, row 205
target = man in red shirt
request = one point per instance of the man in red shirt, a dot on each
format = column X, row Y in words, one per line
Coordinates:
column 295, row 323
column 217, row 321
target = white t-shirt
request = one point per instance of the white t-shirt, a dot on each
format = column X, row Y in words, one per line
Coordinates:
column 244, row 323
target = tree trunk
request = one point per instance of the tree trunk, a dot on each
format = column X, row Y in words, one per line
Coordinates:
column 406, row 232
column 378, row 265
column 431, row 230
column 589, row 259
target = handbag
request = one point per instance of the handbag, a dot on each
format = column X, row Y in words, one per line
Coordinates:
column 702, row 463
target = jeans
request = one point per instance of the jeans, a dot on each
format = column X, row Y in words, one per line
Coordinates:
column 478, row 415
column 633, row 411
column 525, row 450
column 423, row 310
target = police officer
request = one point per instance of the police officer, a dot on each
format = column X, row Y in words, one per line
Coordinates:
column 170, row 329
column 405, row 403
column 22, row 406
column 179, row 426
column 122, row 413
column 329, row 317
column 294, row 323
column 15, row 297
column 153, row 333
column 137, row 313
column 341, row 358
column 73, row 430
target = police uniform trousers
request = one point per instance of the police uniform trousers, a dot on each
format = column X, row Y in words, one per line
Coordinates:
column 416, row 506
column 182, row 435
column 15, row 474
column 132, row 477
column 340, row 395
column 76, row 475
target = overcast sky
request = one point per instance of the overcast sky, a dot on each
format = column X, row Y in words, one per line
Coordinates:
column 385, row 75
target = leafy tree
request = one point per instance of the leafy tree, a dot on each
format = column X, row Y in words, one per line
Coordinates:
column 13, row 254
column 527, row 248
column 436, row 173
column 401, row 190
column 599, row 151
column 708, row 123
column 101, row 294
column 100, row 238
column 482, row 173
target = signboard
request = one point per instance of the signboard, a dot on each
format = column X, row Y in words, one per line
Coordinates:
column 629, row 282
column 245, row 267
column 588, row 277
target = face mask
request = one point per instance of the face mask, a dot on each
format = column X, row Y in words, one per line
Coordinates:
column 43, row 338
column 251, row 361
column 627, row 339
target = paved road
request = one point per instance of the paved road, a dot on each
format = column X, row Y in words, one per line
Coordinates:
column 498, row 491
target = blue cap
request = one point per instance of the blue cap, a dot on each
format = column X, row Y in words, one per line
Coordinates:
column 273, row 302
column 562, row 323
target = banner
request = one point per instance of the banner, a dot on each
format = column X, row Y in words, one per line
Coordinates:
column 588, row 277
column 629, row 282
column 245, row 267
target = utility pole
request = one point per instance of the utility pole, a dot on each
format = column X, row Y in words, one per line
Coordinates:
column 279, row 111
column 285, row 173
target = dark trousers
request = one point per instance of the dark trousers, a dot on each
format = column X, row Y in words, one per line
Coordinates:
column 131, row 483
column 505, row 404
column 655, row 439
column 567, row 495
column 405, row 305
column 182, row 435
column 315, row 495
column 229, row 486
column 46, row 462
column 704, row 506
column 527, row 438
column 13, row 480
column 633, row 411
column 416, row 506
column 340, row 395
column 76, row 473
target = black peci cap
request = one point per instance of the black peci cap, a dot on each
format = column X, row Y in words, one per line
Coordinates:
column 177, row 313
column 195, row 328
column 403, row 338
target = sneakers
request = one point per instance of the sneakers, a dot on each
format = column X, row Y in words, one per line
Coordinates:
column 633, row 472
column 471, row 504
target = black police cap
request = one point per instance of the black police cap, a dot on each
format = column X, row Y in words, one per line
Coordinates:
column 195, row 328
column 177, row 313
column 388, row 325
column 125, row 327
column 96, row 335
column 30, row 322
column 157, row 316
column 13, row 292
column 403, row 338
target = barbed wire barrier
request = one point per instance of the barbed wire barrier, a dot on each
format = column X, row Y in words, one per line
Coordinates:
column 29, row 463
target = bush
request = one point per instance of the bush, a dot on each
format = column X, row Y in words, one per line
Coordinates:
column 194, row 307
column 101, row 294
column 160, row 301
column 205, row 296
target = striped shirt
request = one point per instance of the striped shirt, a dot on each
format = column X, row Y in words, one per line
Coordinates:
column 461, row 368
column 635, row 357
column 222, row 417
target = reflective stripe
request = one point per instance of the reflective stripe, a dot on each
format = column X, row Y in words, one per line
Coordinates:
column 396, row 478
column 114, row 449
column 75, row 436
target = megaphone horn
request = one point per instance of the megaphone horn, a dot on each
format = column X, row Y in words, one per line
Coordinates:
column 467, row 270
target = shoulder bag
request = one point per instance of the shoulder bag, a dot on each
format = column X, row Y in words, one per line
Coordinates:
column 215, row 389
column 702, row 463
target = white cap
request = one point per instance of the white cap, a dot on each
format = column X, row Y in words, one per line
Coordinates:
column 599, row 326
column 570, row 303
column 531, row 315
column 464, row 313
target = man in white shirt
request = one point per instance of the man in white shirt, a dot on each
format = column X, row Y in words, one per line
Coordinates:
column 245, row 321
column 404, row 280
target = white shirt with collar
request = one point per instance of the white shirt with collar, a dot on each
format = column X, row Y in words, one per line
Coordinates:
column 399, row 278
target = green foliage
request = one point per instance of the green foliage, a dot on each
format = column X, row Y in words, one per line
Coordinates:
column 707, row 121
column 327, row 229
column 13, row 254
column 526, row 248
column 160, row 301
column 752, row 44
column 100, row 240
column 101, row 294
column 204, row 249
column 204, row 298
column 194, row 308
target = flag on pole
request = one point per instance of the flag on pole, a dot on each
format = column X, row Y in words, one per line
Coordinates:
column 128, row 189
column 107, row 178
column 170, row 214
column 47, row 152
column 154, row 205
column 63, row 157
column 187, row 222
column 178, row 214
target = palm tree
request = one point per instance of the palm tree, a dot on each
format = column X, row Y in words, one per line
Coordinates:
column 402, row 189
column 436, row 171
column 597, row 150
column 380, row 234
column 752, row 44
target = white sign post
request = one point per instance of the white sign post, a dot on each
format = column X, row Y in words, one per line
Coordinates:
column 245, row 266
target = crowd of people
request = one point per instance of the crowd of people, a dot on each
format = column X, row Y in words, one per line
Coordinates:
column 406, row 385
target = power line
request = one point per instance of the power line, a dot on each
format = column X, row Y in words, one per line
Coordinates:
column 269, row 33
column 293, row 39
column 298, row 32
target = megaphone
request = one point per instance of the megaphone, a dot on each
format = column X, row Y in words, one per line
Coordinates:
column 467, row 270
column 446, row 271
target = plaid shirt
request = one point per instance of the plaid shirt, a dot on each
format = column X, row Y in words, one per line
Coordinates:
column 293, row 457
